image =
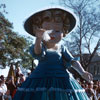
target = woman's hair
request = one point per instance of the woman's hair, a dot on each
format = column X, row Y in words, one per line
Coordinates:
column 51, row 14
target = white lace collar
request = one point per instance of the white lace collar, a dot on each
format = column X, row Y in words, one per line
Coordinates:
column 51, row 49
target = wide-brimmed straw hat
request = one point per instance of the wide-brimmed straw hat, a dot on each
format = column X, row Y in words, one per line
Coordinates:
column 35, row 20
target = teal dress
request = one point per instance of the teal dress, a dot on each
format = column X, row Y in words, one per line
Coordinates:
column 51, row 79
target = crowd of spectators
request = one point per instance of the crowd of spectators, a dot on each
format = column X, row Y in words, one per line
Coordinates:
column 9, row 85
column 92, row 89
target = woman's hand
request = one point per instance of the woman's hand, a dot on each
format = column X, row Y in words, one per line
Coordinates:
column 39, row 33
column 87, row 76
column 84, row 74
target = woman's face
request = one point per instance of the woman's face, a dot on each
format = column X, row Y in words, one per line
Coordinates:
column 57, row 28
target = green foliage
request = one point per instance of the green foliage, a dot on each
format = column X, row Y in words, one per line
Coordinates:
column 13, row 48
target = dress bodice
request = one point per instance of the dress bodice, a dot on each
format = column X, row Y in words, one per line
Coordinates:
column 51, row 62
column 52, row 59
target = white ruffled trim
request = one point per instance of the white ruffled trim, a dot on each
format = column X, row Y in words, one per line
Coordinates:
column 50, row 89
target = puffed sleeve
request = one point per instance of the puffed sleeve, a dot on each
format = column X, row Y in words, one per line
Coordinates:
column 67, row 57
column 37, row 56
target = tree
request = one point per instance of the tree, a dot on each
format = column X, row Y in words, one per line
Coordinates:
column 87, row 31
column 13, row 47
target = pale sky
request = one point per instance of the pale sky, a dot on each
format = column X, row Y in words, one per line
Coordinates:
column 18, row 10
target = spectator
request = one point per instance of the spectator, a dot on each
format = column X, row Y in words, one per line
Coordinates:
column 1, row 90
column 11, row 86
column 17, row 72
column 21, row 80
column 7, row 95
column 4, row 87
column 95, row 92
column 98, row 94
column 90, row 91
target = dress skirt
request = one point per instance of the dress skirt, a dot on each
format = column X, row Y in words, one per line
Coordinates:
column 51, row 88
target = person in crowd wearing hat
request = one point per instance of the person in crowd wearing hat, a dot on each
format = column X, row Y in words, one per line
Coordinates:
column 51, row 79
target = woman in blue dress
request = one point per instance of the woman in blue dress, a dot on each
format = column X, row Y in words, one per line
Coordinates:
column 51, row 79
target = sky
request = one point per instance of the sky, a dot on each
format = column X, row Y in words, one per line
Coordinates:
column 19, row 10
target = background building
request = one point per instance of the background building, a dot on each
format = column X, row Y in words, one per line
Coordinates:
column 94, row 66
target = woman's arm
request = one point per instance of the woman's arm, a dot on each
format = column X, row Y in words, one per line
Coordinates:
column 86, row 75
column 77, row 66
column 37, row 46
column 39, row 36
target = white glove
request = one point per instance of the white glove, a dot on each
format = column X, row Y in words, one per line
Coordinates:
column 86, row 75
column 46, row 36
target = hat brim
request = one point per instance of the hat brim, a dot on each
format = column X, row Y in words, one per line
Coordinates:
column 28, row 24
